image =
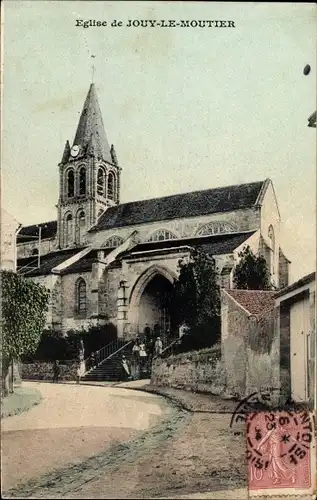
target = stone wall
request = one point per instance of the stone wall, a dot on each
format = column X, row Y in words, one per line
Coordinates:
column 263, row 356
column 70, row 319
column 199, row 371
column 43, row 370
column 250, row 349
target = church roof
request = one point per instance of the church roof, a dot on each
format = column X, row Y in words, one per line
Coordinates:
column 47, row 262
column 218, row 244
column 91, row 129
column 30, row 233
column 85, row 264
column 193, row 204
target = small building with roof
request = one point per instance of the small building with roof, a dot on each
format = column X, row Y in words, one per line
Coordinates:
column 296, row 328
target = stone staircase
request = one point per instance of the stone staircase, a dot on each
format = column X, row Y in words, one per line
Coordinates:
column 110, row 369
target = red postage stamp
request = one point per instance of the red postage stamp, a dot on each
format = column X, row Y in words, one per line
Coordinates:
column 281, row 453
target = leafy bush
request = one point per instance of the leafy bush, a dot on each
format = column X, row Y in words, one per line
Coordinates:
column 54, row 345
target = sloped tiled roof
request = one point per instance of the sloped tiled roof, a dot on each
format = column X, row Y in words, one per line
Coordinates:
column 298, row 284
column 47, row 262
column 53, row 259
column 257, row 302
column 85, row 264
column 219, row 244
column 27, row 233
column 196, row 203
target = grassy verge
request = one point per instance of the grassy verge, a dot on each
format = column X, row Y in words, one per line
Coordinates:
column 20, row 401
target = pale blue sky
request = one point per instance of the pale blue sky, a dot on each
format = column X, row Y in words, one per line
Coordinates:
column 186, row 108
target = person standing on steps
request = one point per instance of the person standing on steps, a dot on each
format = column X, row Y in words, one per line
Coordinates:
column 97, row 357
column 78, row 374
column 126, row 370
column 158, row 347
column 92, row 360
column 135, row 359
column 143, row 358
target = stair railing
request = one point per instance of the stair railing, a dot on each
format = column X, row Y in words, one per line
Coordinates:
column 106, row 353
column 102, row 353
column 168, row 347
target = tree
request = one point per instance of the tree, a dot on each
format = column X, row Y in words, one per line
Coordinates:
column 251, row 273
column 197, row 300
column 24, row 307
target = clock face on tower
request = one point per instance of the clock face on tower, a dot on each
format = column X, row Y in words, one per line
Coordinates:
column 75, row 150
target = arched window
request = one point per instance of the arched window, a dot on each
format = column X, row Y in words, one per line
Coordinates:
column 70, row 183
column 101, row 182
column 111, row 186
column 272, row 245
column 217, row 227
column 81, row 297
column 113, row 242
column 80, row 226
column 68, row 230
column 82, row 181
column 161, row 235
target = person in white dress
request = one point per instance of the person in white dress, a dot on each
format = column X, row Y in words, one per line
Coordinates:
column 143, row 356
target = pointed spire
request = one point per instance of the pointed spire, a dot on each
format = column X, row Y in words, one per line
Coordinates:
column 91, row 124
column 66, row 153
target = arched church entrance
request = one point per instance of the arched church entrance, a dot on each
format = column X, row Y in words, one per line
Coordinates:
column 151, row 303
column 155, row 307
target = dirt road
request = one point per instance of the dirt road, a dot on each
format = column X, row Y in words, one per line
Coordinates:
column 189, row 453
column 72, row 423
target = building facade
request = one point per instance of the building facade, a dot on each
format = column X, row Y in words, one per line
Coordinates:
column 296, row 309
column 9, row 230
column 106, row 261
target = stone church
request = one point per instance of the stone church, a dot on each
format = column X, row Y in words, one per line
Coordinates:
column 107, row 261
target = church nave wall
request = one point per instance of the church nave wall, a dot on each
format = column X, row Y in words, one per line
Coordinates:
column 240, row 220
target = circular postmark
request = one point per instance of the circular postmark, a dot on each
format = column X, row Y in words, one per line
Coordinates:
column 257, row 401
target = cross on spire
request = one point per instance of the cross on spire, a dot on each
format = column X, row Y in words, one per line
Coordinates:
column 93, row 68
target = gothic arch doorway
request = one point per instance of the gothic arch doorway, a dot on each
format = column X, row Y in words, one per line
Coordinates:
column 151, row 302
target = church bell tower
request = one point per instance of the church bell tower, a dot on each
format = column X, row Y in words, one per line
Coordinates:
column 89, row 176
